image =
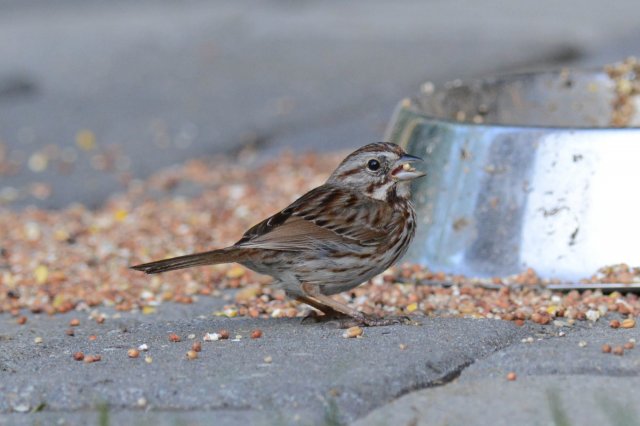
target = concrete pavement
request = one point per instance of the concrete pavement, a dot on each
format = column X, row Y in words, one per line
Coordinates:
column 445, row 371
column 314, row 375
column 560, row 380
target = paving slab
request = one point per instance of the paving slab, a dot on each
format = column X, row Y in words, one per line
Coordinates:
column 315, row 374
column 559, row 380
column 561, row 400
column 579, row 352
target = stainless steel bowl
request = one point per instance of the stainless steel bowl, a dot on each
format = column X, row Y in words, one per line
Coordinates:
column 523, row 171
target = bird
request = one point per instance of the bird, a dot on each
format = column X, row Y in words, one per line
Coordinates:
column 331, row 239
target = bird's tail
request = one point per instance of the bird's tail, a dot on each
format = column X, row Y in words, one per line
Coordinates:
column 225, row 255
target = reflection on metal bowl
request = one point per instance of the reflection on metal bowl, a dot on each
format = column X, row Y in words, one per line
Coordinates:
column 523, row 171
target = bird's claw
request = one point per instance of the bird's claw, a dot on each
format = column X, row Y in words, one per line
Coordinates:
column 373, row 321
column 361, row 320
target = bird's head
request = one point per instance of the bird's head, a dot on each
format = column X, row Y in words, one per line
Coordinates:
column 379, row 170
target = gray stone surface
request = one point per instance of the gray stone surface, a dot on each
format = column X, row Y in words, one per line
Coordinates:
column 315, row 375
column 531, row 400
column 565, row 355
column 559, row 381
column 453, row 371
column 163, row 81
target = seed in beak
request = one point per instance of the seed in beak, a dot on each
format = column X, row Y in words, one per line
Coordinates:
column 407, row 167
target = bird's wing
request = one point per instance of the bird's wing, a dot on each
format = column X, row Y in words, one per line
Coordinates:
column 324, row 216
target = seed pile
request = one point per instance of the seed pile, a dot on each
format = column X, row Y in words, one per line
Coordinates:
column 57, row 261
column 50, row 261
column 403, row 290
column 626, row 77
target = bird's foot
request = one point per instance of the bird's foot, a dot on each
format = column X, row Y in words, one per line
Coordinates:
column 373, row 321
column 315, row 317
column 365, row 320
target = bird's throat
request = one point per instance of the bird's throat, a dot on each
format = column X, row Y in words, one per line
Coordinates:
column 389, row 191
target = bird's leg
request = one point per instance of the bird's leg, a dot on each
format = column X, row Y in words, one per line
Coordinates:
column 323, row 302
column 330, row 314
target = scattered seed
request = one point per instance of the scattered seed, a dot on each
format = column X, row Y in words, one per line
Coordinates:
column 133, row 353
column 353, row 332
column 582, row 343
column 70, row 332
column 210, row 337
column 143, row 347
column 92, row 358
column 21, row 320
column 78, row 356
column 22, row 408
column 624, row 309
column 511, row 376
column 256, row 334
column 100, row 319
column 593, row 315
column 618, row 350
column 614, row 323
column 191, row 336
column 629, row 345
column 74, row 322
column 402, row 346
column 86, row 140
column 173, row 337
column 196, row 347
column 93, row 337
column 148, row 310
column 235, row 271
column 268, row 359
column 628, row 323
column 38, row 162
column 606, row 348
column 148, row 359
column 38, row 340
column 230, row 312
column 192, row 355
column 224, row 334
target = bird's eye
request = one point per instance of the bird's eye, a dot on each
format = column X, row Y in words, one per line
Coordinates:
column 373, row 165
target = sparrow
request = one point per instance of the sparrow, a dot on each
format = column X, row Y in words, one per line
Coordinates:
column 333, row 238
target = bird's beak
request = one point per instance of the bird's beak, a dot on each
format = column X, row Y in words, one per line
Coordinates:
column 403, row 170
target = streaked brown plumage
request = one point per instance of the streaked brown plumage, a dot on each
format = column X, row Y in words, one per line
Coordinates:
column 333, row 238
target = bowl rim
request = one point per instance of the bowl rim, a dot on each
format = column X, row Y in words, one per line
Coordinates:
column 411, row 105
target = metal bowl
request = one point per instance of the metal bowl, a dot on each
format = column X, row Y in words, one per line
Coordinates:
column 523, row 171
